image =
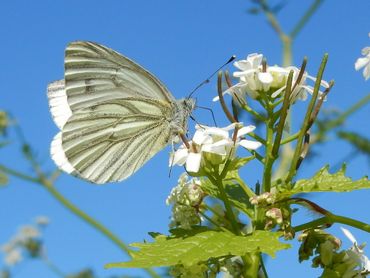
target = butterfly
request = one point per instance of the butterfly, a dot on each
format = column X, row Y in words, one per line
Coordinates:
column 113, row 114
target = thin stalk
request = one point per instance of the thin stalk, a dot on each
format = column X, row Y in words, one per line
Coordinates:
column 269, row 159
column 52, row 267
column 221, row 98
column 305, row 18
column 258, row 138
column 283, row 116
column 263, row 267
column 343, row 116
column 306, row 121
column 330, row 219
column 211, row 221
column 42, row 180
column 289, row 138
column 17, row 174
column 250, row 193
column 229, row 212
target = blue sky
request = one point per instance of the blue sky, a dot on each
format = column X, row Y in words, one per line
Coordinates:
column 181, row 42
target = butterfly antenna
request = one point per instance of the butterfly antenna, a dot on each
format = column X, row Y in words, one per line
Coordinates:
column 232, row 58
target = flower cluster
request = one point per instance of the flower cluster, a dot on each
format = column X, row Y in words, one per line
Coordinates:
column 26, row 239
column 212, row 140
column 364, row 62
column 356, row 252
column 266, row 198
column 256, row 79
column 347, row 263
column 186, row 198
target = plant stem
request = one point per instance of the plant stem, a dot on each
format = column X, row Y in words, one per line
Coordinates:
column 229, row 212
column 306, row 122
column 305, row 18
column 269, row 159
column 330, row 219
column 42, row 180
column 343, row 116
column 290, row 138
column 18, row 174
column 52, row 267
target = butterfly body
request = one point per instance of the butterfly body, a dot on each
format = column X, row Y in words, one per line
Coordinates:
column 113, row 114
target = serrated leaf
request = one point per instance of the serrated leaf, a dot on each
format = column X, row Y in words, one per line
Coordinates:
column 200, row 247
column 234, row 192
column 323, row 181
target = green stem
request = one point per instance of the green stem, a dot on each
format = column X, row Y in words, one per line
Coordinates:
column 263, row 267
column 330, row 219
column 53, row 267
column 42, row 180
column 290, row 138
column 306, row 122
column 343, row 116
column 229, row 212
column 269, row 159
column 252, row 112
column 252, row 263
column 258, row 138
column 210, row 220
column 18, row 174
column 305, row 18
column 250, row 193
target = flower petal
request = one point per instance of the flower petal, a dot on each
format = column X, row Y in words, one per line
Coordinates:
column 265, row 77
column 193, row 162
column 179, row 157
column 201, row 137
column 361, row 62
column 245, row 130
column 349, row 235
column 250, row 145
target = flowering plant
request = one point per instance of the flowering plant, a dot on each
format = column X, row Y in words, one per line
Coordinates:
column 209, row 233
column 237, row 200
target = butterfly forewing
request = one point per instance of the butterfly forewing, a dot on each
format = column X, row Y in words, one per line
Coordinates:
column 94, row 73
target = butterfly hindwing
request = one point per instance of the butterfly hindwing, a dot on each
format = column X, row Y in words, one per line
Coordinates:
column 110, row 141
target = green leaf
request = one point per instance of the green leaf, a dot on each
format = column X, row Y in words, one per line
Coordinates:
column 201, row 246
column 234, row 192
column 323, row 181
column 239, row 162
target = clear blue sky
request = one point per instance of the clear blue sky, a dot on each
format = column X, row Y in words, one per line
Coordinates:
column 181, row 42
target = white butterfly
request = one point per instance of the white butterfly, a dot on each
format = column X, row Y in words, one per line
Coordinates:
column 113, row 114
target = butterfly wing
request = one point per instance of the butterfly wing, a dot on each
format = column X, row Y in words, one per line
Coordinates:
column 121, row 114
column 95, row 73
column 112, row 140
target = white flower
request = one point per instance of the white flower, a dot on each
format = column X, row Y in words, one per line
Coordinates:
column 185, row 198
column 301, row 89
column 254, row 81
column 19, row 244
column 356, row 252
column 42, row 220
column 212, row 140
column 13, row 257
column 364, row 62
